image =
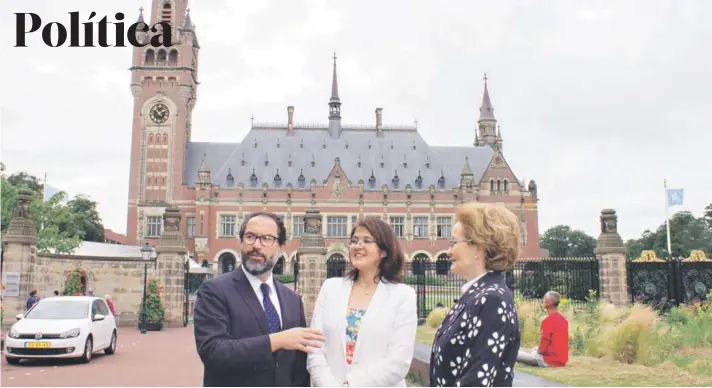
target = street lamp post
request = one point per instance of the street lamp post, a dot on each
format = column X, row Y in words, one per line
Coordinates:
column 185, row 290
column 146, row 252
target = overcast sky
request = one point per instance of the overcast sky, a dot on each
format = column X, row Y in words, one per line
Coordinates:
column 597, row 101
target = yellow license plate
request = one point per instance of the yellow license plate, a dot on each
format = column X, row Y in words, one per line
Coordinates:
column 37, row 345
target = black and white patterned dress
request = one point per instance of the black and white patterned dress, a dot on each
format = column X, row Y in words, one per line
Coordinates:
column 477, row 343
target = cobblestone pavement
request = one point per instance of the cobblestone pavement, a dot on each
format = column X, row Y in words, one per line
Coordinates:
column 165, row 358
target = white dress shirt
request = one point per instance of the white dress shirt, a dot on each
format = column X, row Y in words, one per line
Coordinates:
column 255, row 282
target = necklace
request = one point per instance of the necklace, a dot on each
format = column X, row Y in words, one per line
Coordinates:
column 365, row 289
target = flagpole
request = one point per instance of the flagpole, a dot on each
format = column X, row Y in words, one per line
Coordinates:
column 667, row 220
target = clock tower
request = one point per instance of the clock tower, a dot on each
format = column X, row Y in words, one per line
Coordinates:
column 163, row 84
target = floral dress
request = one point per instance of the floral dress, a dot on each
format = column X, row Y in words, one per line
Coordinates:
column 478, row 342
column 353, row 324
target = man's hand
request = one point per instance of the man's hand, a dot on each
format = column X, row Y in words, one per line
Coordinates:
column 298, row 338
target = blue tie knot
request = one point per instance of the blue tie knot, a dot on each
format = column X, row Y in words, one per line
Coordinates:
column 264, row 287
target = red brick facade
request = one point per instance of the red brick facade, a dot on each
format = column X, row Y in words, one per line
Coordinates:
column 216, row 184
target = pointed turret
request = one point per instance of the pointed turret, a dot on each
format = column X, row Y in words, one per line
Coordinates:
column 334, row 106
column 486, row 133
column 466, row 175
column 204, row 175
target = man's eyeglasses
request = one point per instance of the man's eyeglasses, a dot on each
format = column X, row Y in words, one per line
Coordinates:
column 366, row 241
column 266, row 240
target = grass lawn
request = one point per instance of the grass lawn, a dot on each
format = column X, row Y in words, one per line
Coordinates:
column 691, row 369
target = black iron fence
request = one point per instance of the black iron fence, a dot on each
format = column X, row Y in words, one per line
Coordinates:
column 670, row 283
column 572, row 277
column 436, row 285
column 661, row 284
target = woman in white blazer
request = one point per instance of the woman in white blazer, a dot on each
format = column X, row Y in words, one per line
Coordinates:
column 368, row 317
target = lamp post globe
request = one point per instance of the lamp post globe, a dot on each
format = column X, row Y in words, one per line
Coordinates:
column 146, row 253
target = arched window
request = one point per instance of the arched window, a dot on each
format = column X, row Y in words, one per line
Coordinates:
column 150, row 138
column 165, row 138
column 150, row 57
column 161, row 58
column 173, row 58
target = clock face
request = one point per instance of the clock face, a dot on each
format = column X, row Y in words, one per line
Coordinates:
column 159, row 113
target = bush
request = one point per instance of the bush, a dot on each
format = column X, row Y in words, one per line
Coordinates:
column 627, row 334
column 285, row 278
column 73, row 284
column 155, row 313
column 436, row 317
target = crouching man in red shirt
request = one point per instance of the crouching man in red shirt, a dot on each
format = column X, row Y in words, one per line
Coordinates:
column 553, row 349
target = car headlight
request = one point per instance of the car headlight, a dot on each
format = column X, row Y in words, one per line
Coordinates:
column 70, row 334
column 13, row 334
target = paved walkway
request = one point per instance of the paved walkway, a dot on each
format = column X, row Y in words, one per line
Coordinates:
column 422, row 352
column 164, row 358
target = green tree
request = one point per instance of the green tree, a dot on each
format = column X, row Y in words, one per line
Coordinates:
column 8, row 201
column 707, row 217
column 85, row 220
column 20, row 179
column 49, row 217
column 60, row 227
column 687, row 233
column 562, row 241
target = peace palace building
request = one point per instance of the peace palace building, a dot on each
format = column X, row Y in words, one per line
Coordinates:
column 347, row 171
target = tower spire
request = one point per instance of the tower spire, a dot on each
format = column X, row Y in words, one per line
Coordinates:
column 334, row 84
column 486, row 109
column 334, row 106
column 486, row 133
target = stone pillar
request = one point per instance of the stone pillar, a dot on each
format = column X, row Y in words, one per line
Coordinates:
column 19, row 251
column 171, row 252
column 611, row 255
column 312, row 261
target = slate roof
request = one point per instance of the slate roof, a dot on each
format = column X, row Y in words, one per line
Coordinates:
column 393, row 149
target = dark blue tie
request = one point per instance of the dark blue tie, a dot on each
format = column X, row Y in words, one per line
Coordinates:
column 270, row 311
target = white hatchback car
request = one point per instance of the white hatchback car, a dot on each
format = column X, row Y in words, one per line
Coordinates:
column 62, row 327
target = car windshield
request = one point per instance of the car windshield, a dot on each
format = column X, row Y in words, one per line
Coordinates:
column 59, row 309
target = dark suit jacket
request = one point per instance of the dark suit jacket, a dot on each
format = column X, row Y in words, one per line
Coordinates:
column 232, row 337
column 477, row 343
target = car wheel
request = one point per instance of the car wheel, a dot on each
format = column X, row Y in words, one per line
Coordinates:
column 112, row 347
column 12, row 360
column 88, row 351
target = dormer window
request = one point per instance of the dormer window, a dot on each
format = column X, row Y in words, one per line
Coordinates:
column 253, row 179
column 441, row 181
column 395, row 181
column 230, row 180
column 301, row 181
column 419, row 181
column 277, row 180
column 372, row 181
column 255, row 143
column 313, row 161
